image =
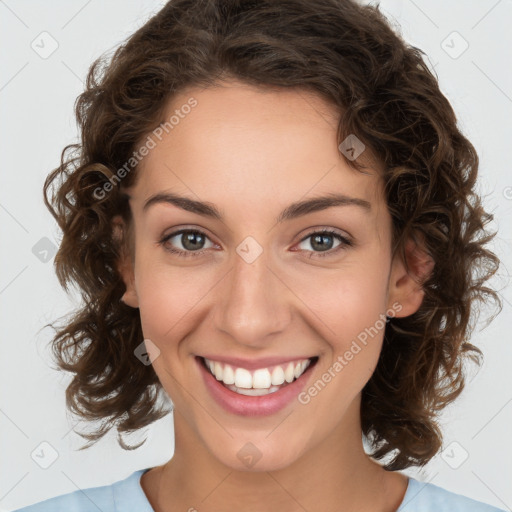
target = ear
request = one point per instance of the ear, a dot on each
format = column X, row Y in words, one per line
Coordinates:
column 405, row 286
column 125, row 265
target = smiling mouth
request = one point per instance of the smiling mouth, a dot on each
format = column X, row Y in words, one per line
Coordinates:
column 259, row 382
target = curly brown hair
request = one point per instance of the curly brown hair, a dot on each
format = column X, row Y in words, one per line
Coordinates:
column 350, row 56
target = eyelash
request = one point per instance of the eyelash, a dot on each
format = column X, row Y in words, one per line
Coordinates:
column 345, row 242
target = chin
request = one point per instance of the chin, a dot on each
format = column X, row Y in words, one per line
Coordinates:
column 259, row 452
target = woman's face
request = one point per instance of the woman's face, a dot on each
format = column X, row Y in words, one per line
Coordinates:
column 258, row 286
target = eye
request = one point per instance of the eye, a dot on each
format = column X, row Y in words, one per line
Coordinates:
column 192, row 242
column 322, row 240
column 190, row 239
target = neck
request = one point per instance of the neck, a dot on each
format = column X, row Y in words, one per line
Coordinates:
column 335, row 475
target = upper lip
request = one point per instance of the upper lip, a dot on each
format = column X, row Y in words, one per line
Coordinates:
column 254, row 364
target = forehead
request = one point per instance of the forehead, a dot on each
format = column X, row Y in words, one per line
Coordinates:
column 251, row 145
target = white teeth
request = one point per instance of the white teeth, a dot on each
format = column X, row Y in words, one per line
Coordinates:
column 261, row 379
column 243, row 378
column 277, row 376
column 289, row 372
column 218, row 371
column 254, row 392
column 259, row 382
column 229, row 375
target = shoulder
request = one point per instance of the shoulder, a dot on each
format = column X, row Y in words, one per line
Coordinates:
column 427, row 497
column 83, row 500
column 122, row 496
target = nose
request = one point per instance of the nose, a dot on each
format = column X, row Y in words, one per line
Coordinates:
column 253, row 302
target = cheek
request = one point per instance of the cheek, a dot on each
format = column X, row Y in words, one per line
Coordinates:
column 353, row 310
column 168, row 295
column 347, row 300
column 351, row 306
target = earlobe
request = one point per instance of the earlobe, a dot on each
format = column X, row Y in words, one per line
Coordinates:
column 124, row 265
column 405, row 286
column 130, row 298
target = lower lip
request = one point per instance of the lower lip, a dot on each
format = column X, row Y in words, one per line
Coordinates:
column 244, row 405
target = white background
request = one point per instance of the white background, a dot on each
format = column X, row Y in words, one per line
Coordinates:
column 36, row 109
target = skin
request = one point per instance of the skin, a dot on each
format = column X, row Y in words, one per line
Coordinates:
column 252, row 152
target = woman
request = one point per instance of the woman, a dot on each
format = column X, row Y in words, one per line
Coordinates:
column 272, row 219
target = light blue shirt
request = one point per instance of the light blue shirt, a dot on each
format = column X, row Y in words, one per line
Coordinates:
column 128, row 496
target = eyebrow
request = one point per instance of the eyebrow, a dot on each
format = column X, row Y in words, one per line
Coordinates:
column 292, row 211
